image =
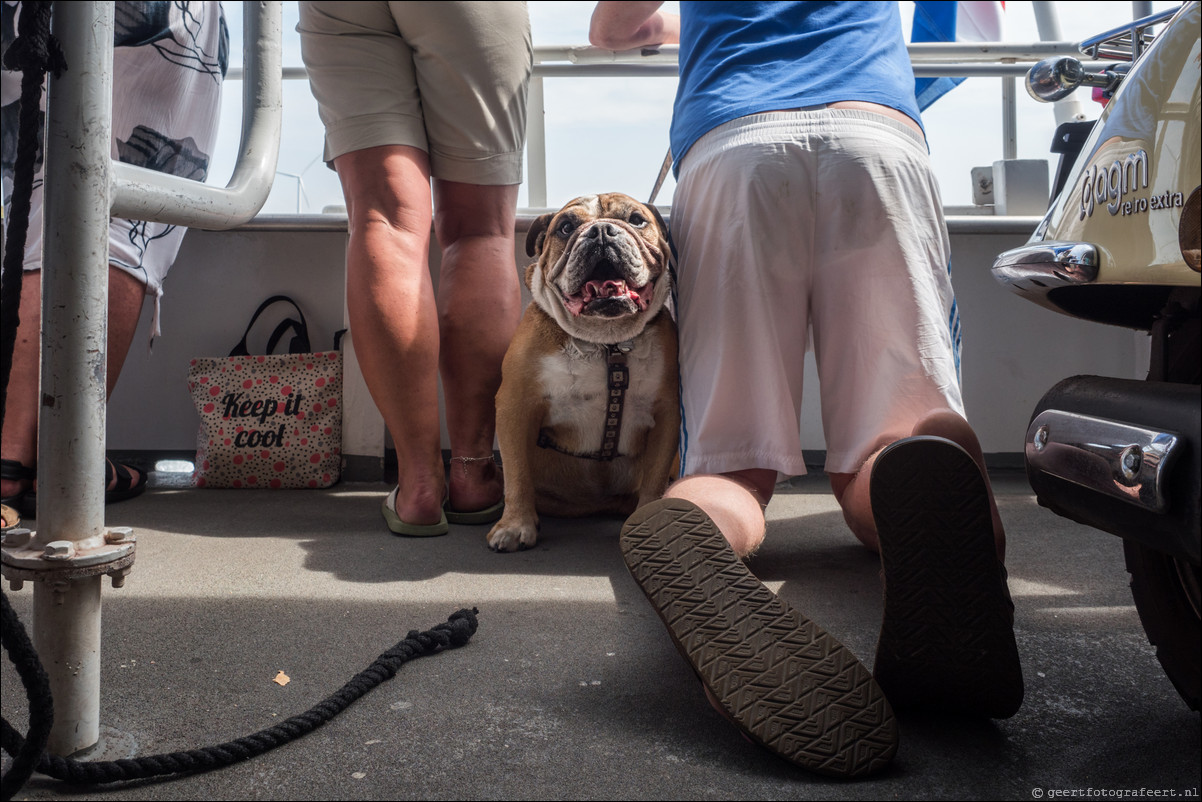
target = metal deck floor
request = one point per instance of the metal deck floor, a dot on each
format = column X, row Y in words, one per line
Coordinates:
column 571, row 688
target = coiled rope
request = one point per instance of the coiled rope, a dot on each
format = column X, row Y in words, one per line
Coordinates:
column 457, row 630
column 26, row 751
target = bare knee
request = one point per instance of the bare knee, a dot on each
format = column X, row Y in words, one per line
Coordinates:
column 734, row 502
column 852, row 494
column 950, row 425
column 386, row 188
column 471, row 211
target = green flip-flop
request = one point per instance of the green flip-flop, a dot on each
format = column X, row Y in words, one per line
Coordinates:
column 487, row 515
column 399, row 527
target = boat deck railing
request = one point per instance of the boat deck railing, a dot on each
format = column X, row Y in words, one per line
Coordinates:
column 1009, row 61
column 72, row 550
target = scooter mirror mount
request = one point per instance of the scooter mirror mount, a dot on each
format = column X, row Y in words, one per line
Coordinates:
column 1056, row 78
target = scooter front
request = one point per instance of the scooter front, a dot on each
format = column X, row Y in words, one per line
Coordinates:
column 1120, row 245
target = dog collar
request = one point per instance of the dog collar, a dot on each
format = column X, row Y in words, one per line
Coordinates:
column 617, row 380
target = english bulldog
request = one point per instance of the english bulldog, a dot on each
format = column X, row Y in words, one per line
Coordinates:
column 588, row 415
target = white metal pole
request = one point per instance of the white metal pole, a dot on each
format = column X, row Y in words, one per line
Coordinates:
column 66, row 634
column 142, row 194
column 536, row 145
column 72, row 548
column 71, row 431
column 1009, row 119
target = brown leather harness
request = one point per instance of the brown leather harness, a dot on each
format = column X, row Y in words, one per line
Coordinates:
column 617, row 380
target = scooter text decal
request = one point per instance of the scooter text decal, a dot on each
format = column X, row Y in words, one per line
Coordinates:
column 1111, row 186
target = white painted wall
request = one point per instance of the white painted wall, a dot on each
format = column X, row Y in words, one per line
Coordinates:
column 1013, row 350
column 218, row 281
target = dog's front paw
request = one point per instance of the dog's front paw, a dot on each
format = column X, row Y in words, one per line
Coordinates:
column 511, row 535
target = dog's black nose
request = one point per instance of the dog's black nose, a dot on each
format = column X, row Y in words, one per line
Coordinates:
column 602, row 229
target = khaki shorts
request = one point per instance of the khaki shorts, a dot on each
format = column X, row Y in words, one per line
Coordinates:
column 790, row 223
column 449, row 78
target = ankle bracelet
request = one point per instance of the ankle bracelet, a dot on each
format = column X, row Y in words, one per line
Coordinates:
column 466, row 460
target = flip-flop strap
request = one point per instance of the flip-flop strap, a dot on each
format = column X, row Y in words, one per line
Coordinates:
column 125, row 480
column 11, row 469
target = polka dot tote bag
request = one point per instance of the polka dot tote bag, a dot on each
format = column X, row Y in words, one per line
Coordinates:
column 272, row 420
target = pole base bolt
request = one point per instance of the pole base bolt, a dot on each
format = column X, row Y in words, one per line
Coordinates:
column 59, row 550
column 119, row 534
column 17, row 538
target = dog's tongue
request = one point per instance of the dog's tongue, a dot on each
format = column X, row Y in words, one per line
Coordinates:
column 605, row 289
column 597, row 290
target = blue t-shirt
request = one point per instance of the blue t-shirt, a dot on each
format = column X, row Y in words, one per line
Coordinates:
column 743, row 58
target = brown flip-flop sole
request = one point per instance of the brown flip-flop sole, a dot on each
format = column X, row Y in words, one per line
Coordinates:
column 789, row 685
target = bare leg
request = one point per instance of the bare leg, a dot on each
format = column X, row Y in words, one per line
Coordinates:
column 390, row 298
column 20, row 437
column 19, row 440
column 126, row 295
column 852, row 489
column 479, row 304
column 733, row 502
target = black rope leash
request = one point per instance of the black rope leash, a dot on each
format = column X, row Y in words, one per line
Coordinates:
column 37, row 690
column 34, row 52
column 456, row 632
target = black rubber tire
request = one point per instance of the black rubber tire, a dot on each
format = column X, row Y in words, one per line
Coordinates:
column 1166, row 592
column 1166, row 589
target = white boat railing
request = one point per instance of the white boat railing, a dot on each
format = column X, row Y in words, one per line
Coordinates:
column 142, row 194
column 1009, row 61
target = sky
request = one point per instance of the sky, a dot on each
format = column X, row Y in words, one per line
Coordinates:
column 590, row 120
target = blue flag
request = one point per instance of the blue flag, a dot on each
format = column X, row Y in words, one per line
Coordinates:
column 951, row 21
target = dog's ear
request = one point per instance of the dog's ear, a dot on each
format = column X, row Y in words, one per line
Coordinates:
column 663, row 228
column 537, row 234
column 665, row 241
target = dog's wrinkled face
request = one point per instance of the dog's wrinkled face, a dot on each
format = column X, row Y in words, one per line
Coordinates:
column 602, row 269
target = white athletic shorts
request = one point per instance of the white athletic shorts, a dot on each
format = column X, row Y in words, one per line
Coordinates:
column 790, row 224
column 169, row 62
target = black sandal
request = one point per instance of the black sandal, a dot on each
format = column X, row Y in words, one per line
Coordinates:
column 26, row 501
column 23, row 501
column 125, row 488
column 784, row 681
